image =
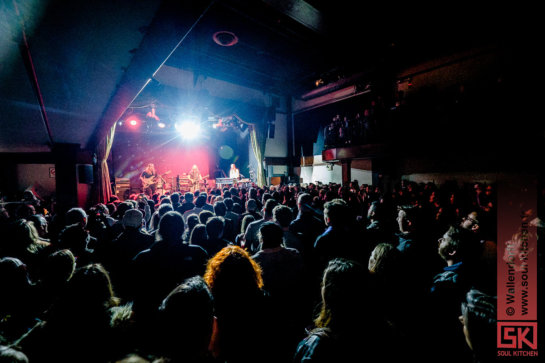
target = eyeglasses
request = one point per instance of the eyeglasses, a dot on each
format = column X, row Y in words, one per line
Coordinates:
column 473, row 221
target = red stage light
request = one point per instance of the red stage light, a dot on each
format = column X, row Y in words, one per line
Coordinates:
column 133, row 122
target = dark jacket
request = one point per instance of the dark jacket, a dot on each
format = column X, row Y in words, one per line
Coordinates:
column 162, row 267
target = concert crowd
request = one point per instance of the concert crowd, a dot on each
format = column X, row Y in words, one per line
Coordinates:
column 305, row 273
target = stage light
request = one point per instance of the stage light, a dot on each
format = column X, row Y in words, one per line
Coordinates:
column 133, row 122
column 161, row 125
column 188, row 129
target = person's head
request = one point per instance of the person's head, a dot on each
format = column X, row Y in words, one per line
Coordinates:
column 231, row 271
column 479, row 323
column 164, row 208
column 25, row 210
column 165, row 200
column 383, row 257
column 205, row 215
column 133, row 219
column 245, row 221
column 228, row 203
column 471, row 221
column 214, row 227
column 252, row 193
column 188, row 197
column 141, row 198
column 198, row 235
column 171, row 227
column 304, row 202
column 90, row 289
column 200, row 201
column 220, row 209
column 13, row 275
column 175, row 198
column 59, row 267
column 76, row 216
column 192, row 220
column 186, row 319
column 122, row 208
column 237, row 208
column 335, row 212
column 408, row 218
column 251, row 205
column 342, row 283
column 282, row 215
column 270, row 235
column 376, row 211
column 268, row 208
column 24, row 236
column 11, row 355
column 455, row 245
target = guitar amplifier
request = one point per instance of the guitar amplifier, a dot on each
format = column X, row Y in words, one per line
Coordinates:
column 122, row 188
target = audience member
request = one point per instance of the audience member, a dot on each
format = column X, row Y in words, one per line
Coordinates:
column 346, row 327
column 117, row 256
column 283, row 278
column 479, row 325
column 283, row 216
column 185, row 323
column 307, row 224
column 11, row 355
column 18, row 305
column 251, row 241
column 192, row 221
column 167, row 263
column 78, row 323
column 56, row 272
column 240, row 306
column 214, row 230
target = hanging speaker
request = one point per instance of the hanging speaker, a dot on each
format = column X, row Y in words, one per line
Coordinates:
column 271, row 130
column 85, row 173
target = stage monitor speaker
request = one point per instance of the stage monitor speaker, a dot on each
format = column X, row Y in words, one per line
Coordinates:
column 85, row 173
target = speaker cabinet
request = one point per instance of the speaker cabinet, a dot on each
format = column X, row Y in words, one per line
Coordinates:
column 85, row 173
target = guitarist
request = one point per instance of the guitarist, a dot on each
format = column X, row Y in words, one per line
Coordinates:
column 195, row 177
column 147, row 177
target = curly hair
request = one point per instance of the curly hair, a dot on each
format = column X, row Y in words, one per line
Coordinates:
column 232, row 269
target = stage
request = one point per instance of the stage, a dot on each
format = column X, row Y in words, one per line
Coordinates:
column 173, row 156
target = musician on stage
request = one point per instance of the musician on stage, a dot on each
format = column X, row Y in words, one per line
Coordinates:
column 148, row 179
column 195, row 177
column 234, row 172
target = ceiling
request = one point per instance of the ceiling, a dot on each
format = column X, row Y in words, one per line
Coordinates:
column 71, row 69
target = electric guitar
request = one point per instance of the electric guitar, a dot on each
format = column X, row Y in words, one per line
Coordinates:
column 196, row 181
column 146, row 182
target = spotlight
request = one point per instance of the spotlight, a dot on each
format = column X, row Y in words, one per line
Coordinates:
column 133, row 122
column 161, row 125
column 188, row 129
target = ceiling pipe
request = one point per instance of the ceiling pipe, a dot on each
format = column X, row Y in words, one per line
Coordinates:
column 31, row 71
